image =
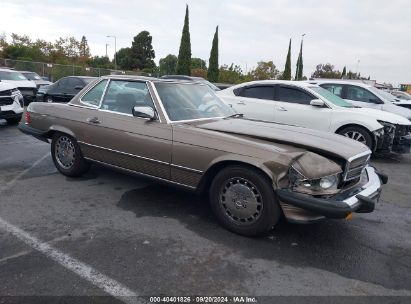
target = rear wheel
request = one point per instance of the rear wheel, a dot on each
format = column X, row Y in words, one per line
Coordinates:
column 48, row 99
column 67, row 155
column 243, row 200
column 358, row 134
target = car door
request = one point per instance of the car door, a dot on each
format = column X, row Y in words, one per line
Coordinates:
column 362, row 97
column 255, row 102
column 130, row 142
column 73, row 87
column 293, row 108
column 57, row 92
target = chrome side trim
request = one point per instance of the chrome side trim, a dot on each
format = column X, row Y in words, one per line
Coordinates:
column 186, row 169
column 124, row 153
column 163, row 110
column 139, row 173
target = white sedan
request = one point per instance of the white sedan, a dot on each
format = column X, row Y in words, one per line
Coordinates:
column 307, row 105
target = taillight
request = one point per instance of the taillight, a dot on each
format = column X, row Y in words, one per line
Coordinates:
column 27, row 117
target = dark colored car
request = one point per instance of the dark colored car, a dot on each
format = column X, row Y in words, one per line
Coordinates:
column 63, row 90
column 193, row 79
column 181, row 133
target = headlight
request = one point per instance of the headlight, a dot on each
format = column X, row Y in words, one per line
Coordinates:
column 388, row 127
column 320, row 186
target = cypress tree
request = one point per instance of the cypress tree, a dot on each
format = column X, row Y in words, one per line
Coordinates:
column 213, row 71
column 184, row 54
column 287, row 69
column 300, row 63
column 344, row 72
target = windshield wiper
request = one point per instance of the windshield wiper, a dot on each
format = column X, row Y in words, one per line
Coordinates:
column 236, row 115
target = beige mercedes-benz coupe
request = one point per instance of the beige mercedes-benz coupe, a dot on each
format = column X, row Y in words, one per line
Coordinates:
column 181, row 133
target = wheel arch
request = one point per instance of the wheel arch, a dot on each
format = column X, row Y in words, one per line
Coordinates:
column 374, row 141
column 59, row 129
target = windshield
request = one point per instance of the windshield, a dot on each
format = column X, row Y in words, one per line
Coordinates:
column 11, row 75
column 185, row 101
column 331, row 97
column 32, row 76
column 211, row 85
column 384, row 95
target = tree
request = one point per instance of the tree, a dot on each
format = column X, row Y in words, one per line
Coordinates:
column 287, row 69
column 184, row 54
column 142, row 53
column 326, row 71
column 84, row 50
column 198, row 63
column 344, row 72
column 213, row 71
column 300, row 65
column 230, row 74
column 264, row 70
column 168, row 65
column 100, row 62
column 124, row 59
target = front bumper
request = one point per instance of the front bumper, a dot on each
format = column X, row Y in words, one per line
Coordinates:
column 395, row 138
column 303, row 208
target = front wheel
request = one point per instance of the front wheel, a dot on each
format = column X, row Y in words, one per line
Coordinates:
column 48, row 99
column 358, row 134
column 67, row 156
column 243, row 200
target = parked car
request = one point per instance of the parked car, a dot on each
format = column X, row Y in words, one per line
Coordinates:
column 401, row 95
column 64, row 89
column 35, row 78
column 11, row 102
column 181, row 133
column 307, row 105
column 396, row 100
column 27, row 88
column 363, row 95
column 194, row 79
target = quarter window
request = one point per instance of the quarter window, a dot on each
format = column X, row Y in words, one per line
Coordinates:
column 260, row 92
column 93, row 96
column 293, row 95
column 360, row 94
column 122, row 96
column 336, row 89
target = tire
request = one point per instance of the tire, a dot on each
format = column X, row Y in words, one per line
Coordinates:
column 359, row 134
column 254, row 215
column 48, row 99
column 13, row 121
column 67, row 156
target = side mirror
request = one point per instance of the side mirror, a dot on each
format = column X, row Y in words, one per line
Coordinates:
column 78, row 88
column 144, row 112
column 317, row 103
column 376, row 100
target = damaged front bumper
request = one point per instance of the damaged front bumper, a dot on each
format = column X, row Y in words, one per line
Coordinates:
column 393, row 138
column 305, row 208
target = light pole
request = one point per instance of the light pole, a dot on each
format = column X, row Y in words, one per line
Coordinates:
column 115, row 50
column 106, row 49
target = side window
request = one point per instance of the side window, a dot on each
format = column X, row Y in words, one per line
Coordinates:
column 123, row 95
column 74, row 82
column 260, row 92
column 336, row 89
column 63, row 83
column 93, row 96
column 293, row 95
column 360, row 94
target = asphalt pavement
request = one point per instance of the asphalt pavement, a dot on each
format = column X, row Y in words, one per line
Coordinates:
column 109, row 234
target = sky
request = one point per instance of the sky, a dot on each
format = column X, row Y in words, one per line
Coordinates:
column 369, row 36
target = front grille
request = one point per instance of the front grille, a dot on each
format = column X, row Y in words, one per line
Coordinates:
column 355, row 166
column 28, row 91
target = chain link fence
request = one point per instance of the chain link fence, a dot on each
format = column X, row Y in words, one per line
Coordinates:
column 54, row 71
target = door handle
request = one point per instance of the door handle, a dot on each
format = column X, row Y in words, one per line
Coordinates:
column 282, row 109
column 241, row 102
column 93, row 120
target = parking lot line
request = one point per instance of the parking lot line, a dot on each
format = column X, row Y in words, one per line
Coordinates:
column 110, row 286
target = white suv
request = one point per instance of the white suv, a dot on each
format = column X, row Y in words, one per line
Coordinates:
column 11, row 102
column 364, row 95
column 307, row 105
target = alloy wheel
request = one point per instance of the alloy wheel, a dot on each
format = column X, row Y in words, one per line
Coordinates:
column 65, row 152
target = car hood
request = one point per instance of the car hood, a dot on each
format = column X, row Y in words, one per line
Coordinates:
column 312, row 140
column 390, row 107
column 21, row 83
column 383, row 115
column 5, row 86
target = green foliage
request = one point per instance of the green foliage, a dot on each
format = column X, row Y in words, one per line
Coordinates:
column 142, row 53
column 184, row 54
column 344, row 72
column 326, row 71
column 100, row 62
column 199, row 73
column 300, row 65
column 124, row 60
column 264, row 70
column 287, row 70
column 231, row 74
column 198, row 63
column 168, row 65
column 213, row 71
